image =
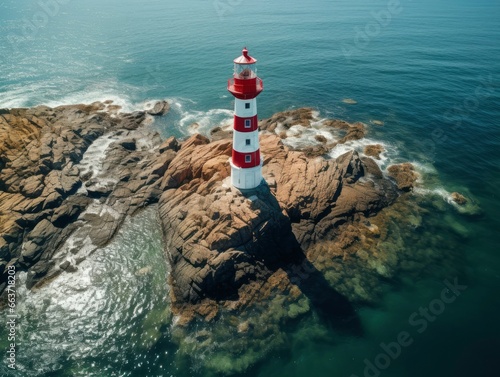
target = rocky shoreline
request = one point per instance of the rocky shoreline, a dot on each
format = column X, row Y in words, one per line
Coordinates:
column 68, row 178
column 70, row 175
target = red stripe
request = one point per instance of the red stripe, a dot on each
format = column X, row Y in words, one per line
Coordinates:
column 239, row 124
column 239, row 159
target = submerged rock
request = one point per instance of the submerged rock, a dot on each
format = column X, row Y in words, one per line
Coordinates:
column 349, row 101
column 143, row 271
column 458, row 198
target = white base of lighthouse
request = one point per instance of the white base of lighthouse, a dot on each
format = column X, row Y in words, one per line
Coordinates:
column 246, row 178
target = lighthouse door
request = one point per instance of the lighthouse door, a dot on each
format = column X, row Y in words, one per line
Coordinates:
column 249, row 180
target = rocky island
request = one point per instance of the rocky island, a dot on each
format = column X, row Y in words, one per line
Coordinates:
column 319, row 235
column 223, row 245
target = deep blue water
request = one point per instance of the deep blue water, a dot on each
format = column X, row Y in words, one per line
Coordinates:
column 430, row 70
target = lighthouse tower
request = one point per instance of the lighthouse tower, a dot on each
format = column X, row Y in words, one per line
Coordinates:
column 245, row 86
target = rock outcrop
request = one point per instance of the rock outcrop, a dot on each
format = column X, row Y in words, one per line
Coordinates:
column 374, row 150
column 70, row 175
column 159, row 108
column 220, row 241
column 404, row 175
column 458, row 198
column 71, row 172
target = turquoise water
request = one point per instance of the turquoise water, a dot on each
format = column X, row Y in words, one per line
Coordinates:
column 430, row 71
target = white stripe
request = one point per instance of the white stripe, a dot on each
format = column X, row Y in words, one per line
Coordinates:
column 240, row 141
column 241, row 111
column 246, row 178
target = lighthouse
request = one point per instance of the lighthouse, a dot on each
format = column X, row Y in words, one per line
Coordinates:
column 245, row 86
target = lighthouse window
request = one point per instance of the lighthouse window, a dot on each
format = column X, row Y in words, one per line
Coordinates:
column 247, row 141
column 248, row 123
column 247, row 105
column 248, row 158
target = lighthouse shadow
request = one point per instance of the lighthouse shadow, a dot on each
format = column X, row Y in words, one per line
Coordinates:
column 331, row 307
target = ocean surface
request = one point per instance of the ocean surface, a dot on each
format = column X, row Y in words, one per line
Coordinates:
column 429, row 70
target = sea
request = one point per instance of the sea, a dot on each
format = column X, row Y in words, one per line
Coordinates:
column 424, row 76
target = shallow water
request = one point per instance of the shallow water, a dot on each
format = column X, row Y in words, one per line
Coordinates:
column 103, row 318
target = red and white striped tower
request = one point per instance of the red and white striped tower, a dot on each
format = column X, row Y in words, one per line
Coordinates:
column 245, row 86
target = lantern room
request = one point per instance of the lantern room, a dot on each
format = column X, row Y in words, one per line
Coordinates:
column 244, row 66
column 245, row 83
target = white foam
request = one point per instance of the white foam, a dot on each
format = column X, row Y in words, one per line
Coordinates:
column 49, row 94
column 389, row 156
column 206, row 120
column 437, row 191
column 94, row 156
column 340, row 149
column 468, row 208
column 19, row 97
column 425, row 168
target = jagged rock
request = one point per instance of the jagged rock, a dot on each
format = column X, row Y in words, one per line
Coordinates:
column 355, row 131
column 32, row 186
column 218, row 133
column 170, row 144
column 212, row 230
column 97, row 189
column 31, row 252
column 69, row 211
column 217, row 165
column 68, row 266
column 40, row 150
column 315, row 151
column 371, row 168
column 104, row 227
column 219, row 239
column 404, row 175
column 160, row 108
column 129, row 144
column 286, row 119
column 458, row 198
column 42, row 232
column 133, row 120
column 162, row 163
column 29, row 220
column 374, row 150
column 320, row 138
column 26, row 205
column 38, row 241
column 57, row 181
column 52, row 200
column 4, row 249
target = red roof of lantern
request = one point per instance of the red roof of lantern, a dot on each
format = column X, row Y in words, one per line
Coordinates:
column 245, row 58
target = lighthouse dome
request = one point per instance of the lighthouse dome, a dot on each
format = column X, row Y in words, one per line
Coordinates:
column 245, row 58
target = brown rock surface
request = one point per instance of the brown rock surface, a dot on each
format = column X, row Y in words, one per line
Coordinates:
column 159, row 108
column 458, row 198
column 44, row 186
column 404, row 175
column 286, row 119
column 374, row 150
column 221, row 241
column 79, row 171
